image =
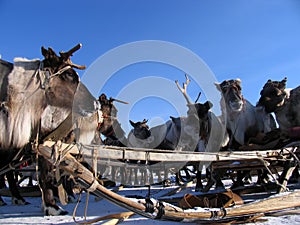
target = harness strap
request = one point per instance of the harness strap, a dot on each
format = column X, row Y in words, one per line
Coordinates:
column 62, row 130
column 60, row 71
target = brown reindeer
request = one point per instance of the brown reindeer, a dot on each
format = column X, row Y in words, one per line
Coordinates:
column 109, row 125
column 274, row 97
column 31, row 87
column 285, row 103
column 110, row 128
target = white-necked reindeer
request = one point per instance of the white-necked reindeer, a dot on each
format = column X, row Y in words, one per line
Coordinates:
column 243, row 120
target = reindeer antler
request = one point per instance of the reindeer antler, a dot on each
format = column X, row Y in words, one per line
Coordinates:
column 117, row 100
column 184, row 87
column 198, row 97
column 66, row 57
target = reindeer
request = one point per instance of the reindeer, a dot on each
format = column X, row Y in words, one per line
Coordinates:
column 212, row 134
column 285, row 103
column 110, row 128
column 274, row 97
column 165, row 137
column 109, row 125
column 31, row 87
column 243, row 120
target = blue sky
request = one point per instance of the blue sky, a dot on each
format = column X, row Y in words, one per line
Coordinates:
column 253, row 40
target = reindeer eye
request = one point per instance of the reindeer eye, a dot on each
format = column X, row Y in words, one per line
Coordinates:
column 70, row 75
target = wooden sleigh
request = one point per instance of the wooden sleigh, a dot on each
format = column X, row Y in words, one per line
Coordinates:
column 279, row 163
column 64, row 156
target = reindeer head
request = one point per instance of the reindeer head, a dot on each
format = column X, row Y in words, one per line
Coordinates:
column 107, row 106
column 200, row 109
column 140, row 129
column 232, row 93
column 272, row 95
column 61, row 79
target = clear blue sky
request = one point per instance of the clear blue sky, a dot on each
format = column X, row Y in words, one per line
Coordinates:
column 253, row 40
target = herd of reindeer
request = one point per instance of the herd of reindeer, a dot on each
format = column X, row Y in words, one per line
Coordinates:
column 38, row 96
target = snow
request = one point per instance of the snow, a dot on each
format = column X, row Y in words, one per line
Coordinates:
column 32, row 213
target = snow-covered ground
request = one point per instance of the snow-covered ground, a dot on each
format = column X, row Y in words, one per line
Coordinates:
column 32, row 213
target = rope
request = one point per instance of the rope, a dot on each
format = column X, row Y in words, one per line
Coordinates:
column 75, row 208
column 93, row 186
column 86, row 204
column 60, row 71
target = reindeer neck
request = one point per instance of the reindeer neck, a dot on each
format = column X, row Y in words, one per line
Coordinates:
column 25, row 104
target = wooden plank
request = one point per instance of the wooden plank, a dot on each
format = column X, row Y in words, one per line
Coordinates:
column 123, row 153
column 179, row 156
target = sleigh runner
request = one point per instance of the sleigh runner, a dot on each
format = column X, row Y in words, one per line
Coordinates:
column 62, row 155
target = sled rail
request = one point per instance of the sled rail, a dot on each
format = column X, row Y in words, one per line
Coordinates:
column 124, row 153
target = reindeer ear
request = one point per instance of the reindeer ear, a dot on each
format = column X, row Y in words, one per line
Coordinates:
column 238, row 81
column 283, row 83
column 44, row 52
column 144, row 121
column 132, row 123
column 218, row 86
column 208, row 105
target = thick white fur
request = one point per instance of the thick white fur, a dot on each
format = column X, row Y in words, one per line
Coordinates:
column 24, row 105
column 239, row 122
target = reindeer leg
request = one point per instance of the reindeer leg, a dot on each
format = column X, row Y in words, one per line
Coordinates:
column 68, row 184
column 2, row 182
column 2, row 202
column 17, row 199
column 2, row 185
column 49, row 204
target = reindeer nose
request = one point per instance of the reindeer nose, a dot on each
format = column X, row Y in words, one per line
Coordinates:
column 236, row 105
